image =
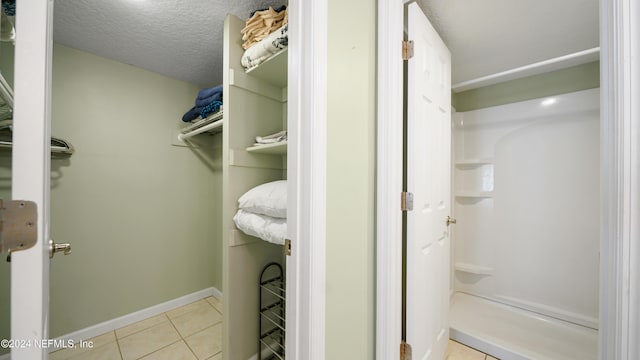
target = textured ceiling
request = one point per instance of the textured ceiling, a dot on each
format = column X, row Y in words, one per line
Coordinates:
column 490, row 36
column 183, row 38
column 179, row 38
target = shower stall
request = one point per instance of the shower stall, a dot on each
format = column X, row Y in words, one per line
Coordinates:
column 525, row 250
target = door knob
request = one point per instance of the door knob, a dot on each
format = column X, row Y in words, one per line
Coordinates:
column 54, row 248
column 451, row 220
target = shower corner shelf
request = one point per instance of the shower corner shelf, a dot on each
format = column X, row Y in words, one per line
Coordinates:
column 473, row 269
column 474, row 162
column 474, row 194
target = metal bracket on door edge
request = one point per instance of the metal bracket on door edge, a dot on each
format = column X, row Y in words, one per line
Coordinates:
column 18, row 225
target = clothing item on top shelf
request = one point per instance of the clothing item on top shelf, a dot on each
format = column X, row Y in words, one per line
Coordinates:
column 208, row 101
column 262, row 23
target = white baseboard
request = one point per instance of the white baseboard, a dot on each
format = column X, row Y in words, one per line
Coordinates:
column 110, row 325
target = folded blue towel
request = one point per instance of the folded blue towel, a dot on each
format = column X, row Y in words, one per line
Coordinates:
column 192, row 114
column 208, row 92
column 206, row 101
column 210, row 109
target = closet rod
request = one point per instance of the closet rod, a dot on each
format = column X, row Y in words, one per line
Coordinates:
column 54, row 149
column 208, row 127
column 580, row 57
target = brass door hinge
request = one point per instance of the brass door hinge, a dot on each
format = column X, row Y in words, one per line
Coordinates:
column 405, row 351
column 18, row 225
column 407, row 50
column 406, row 201
column 287, row 247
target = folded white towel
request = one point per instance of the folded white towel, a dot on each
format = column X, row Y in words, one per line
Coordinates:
column 273, row 138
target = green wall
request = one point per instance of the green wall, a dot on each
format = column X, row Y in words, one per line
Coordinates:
column 350, row 276
column 143, row 216
column 576, row 78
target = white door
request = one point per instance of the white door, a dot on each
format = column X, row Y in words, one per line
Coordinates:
column 428, row 178
column 30, row 176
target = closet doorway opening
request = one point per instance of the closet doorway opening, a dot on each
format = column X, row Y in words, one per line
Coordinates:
column 81, row 80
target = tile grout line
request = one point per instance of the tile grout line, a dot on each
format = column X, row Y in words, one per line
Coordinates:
column 118, row 344
column 182, row 338
column 141, row 330
column 155, row 351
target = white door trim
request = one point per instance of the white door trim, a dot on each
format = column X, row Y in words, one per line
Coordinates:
column 389, row 180
column 30, row 174
column 620, row 138
column 620, row 270
column 307, row 165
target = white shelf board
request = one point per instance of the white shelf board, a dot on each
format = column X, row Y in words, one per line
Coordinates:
column 272, row 70
column 279, row 148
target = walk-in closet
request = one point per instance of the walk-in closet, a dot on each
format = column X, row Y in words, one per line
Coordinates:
column 175, row 211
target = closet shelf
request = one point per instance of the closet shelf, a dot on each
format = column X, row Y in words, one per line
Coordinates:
column 279, row 148
column 474, row 194
column 211, row 124
column 272, row 70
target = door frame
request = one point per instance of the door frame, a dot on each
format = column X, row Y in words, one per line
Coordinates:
column 30, row 175
column 620, row 149
column 620, row 189
column 307, row 101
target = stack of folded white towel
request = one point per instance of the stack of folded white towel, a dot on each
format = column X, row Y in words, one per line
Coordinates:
column 280, row 136
column 263, row 212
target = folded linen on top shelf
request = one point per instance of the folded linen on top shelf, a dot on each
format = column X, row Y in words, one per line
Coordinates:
column 208, row 101
column 263, row 50
column 263, row 22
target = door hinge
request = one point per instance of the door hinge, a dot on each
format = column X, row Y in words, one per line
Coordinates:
column 406, row 201
column 18, row 225
column 405, row 351
column 287, row 247
column 407, row 50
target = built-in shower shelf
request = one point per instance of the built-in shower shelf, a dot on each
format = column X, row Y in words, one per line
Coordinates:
column 474, row 162
column 473, row 269
column 474, row 194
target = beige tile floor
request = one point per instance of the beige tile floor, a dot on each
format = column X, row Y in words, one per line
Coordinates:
column 191, row 332
column 457, row 351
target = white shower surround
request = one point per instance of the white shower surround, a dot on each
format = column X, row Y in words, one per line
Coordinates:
column 526, row 193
